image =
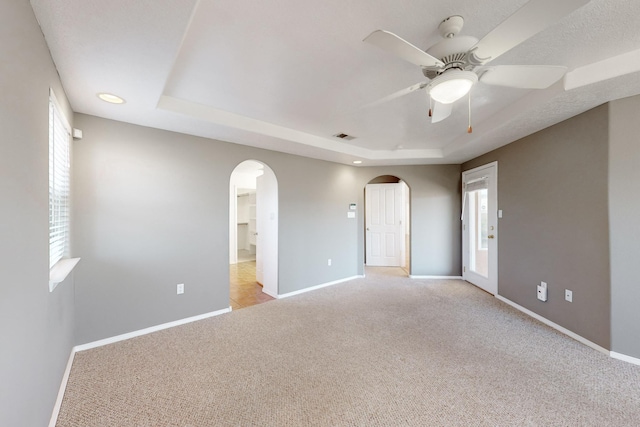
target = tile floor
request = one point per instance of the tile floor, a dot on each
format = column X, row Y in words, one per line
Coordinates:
column 245, row 255
column 245, row 291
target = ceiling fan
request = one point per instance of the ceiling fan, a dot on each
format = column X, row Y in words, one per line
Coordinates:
column 456, row 63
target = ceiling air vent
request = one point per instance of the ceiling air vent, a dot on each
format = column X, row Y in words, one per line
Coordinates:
column 344, row 136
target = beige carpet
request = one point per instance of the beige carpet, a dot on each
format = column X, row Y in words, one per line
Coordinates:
column 380, row 351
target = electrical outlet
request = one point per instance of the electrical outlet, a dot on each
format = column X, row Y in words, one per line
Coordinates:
column 329, row 262
column 568, row 295
column 542, row 291
column 180, row 288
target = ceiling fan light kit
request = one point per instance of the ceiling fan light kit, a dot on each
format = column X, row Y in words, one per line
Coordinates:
column 450, row 86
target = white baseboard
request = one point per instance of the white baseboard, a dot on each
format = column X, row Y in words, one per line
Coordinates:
column 412, row 276
column 271, row 294
column 149, row 330
column 61, row 390
column 313, row 288
column 100, row 343
column 625, row 358
column 555, row 326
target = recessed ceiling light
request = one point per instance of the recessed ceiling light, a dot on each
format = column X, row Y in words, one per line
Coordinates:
column 357, row 162
column 110, row 98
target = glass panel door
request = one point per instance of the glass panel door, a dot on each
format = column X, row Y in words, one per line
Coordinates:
column 478, row 232
column 480, row 227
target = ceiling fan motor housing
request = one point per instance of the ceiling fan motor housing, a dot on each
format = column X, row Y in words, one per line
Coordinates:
column 453, row 52
column 451, row 26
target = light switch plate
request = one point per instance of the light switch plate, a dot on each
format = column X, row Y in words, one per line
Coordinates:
column 542, row 291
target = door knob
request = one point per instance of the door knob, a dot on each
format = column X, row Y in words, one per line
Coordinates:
column 490, row 236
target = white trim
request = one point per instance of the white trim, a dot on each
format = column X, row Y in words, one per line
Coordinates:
column 625, row 358
column 100, row 343
column 313, row 288
column 60, row 271
column 271, row 294
column 479, row 168
column 555, row 326
column 63, row 387
column 149, row 330
column 489, row 283
column 412, row 276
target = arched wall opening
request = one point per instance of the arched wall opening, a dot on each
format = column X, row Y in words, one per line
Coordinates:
column 253, row 227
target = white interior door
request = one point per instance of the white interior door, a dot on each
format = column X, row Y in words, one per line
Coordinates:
column 383, row 217
column 233, row 221
column 267, row 232
column 480, row 227
column 258, row 235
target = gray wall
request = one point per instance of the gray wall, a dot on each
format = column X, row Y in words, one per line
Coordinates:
column 435, row 215
column 151, row 210
column 36, row 327
column 552, row 188
column 624, row 217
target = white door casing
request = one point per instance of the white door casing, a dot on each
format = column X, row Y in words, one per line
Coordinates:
column 233, row 220
column 383, row 219
column 480, row 227
column 259, row 232
column 267, row 232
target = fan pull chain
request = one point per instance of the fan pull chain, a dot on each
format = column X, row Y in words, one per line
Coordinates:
column 430, row 102
column 469, row 129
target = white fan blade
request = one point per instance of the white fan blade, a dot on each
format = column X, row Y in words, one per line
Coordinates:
column 523, row 76
column 530, row 19
column 440, row 111
column 393, row 44
column 397, row 94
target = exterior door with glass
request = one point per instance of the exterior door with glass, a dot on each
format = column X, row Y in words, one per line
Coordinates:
column 480, row 227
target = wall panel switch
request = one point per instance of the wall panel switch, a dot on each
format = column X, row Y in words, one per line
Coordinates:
column 542, row 291
column 180, row 288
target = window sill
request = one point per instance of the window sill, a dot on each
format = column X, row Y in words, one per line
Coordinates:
column 60, row 271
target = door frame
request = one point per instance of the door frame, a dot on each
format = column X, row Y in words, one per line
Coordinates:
column 490, row 283
column 405, row 218
column 270, row 285
column 267, row 231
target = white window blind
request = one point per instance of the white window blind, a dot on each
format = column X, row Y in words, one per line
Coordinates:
column 59, row 176
column 473, row 185
column 476, row 184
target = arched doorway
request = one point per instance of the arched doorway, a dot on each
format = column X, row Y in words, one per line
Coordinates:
column 387, row 223
column 253, row 234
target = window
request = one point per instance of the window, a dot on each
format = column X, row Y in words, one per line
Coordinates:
column 483, row 229
column 59, row 176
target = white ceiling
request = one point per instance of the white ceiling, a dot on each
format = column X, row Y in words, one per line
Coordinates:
column 286, row 75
